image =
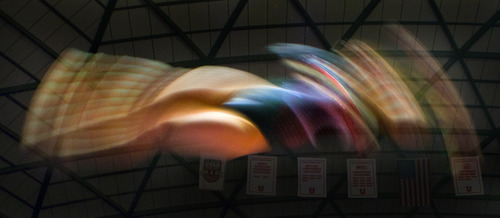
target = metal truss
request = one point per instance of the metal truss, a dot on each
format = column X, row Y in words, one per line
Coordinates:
column 458, row 54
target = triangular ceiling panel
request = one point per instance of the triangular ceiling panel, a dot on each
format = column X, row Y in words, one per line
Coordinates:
column 221, row 11
column 352, row 9
column 427, row 35
column 31, row 13
column 62, row 39
column 178, row 15
column 410, row 10
column 441, row 42
column 426, row 12
column 199, row 16
column 370, row 35
column 462, row 33
column 483, row 43
column 456, row 72
column 335, row 11
column 316, row 9
column 467, row 92
column 238, row 43
column 479, row 118
column 490, row 70
column 203, row 41
column 158, row 26
column 140, row 24
column 276, row 13
column 117, row 29
column 449, row 9
column 258, row 12
column 311, row 38
column 24, row 187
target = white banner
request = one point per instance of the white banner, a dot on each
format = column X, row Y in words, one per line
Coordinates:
column 261, row 177
column 362, row 177
column 312, row 177
column 211, row 173
column 467, row 176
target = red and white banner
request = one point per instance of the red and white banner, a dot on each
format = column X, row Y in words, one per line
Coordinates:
column 362, row 177
column 312, row 177
column 211, row 173
column 261, row 177
column 467, row 176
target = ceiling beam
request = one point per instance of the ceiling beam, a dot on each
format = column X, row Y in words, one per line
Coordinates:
column 66, row 20
column 43, row 191
column 458, row 56
column 227, row 27
column 144, row 182
column 278, row 26
column 330, row 196
column 106, row 17
column 233, row 195
column 358, row 22
column 18, row 88
column 12, row 194
column 312, row 24
column 18, row 66
column 29, row 35
column 473, row 39
column 51, row 162
column 171, row 24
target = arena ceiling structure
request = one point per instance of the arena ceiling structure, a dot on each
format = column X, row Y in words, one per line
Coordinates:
column 463, row 35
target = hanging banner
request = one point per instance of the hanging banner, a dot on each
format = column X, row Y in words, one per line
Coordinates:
column 261, row 175
column 312, row 177
column 211, row 173
column 362, row 177
column 467, row 176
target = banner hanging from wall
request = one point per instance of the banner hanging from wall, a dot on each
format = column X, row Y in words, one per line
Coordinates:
column 261, row 175
column 211, row 173
column 312, row 177
column 466, row 173
column 414, row 177
column 362, row 177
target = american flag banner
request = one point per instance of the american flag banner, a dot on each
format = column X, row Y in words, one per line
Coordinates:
column 414, row 182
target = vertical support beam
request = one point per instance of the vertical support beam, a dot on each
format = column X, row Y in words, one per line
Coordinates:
column 106, row 16
column 165, row 18
column 230, row 22
column 312, row 24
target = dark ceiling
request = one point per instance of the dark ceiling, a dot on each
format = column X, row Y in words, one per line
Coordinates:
column 463, row 35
